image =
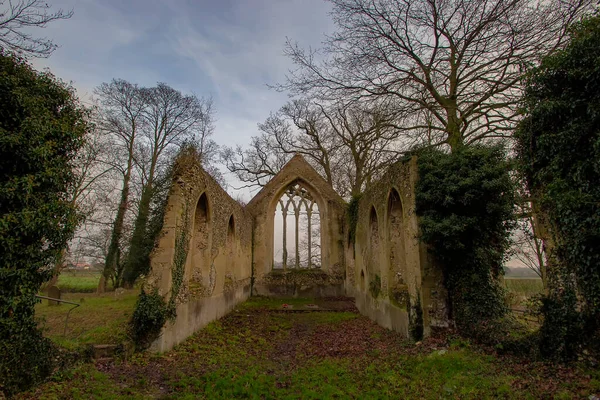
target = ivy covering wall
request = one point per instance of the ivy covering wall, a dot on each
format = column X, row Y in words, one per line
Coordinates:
column 153, row 310
column 559, row 149
column 465, row 205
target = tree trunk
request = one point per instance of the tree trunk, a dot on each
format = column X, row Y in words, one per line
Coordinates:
column 137, row 250
column 112, row 257
column 455, row 139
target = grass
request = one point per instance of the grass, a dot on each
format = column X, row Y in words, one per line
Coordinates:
column 520, row 290
column 100, row 319
column 262, row 352
column 78, row 281
column 524, row 286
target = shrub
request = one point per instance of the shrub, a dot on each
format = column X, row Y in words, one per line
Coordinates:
column 558, row 144
column 148, row 318
column 465, row 204
column 42, row 127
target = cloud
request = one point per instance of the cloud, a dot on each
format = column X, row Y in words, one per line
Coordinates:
column 227, row 49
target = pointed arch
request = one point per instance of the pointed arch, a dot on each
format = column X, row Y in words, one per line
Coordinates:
column 200, row 240
column 373, row 228
column 296, row 208
column 201, row 223
column 395, row 238
column 230, row 246
column 231, row 228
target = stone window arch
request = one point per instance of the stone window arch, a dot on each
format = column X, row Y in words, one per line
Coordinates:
column 373, row 229
column 200, row 263
column 297, row 229
column 395, row 237
column 231, row 241
column 373, row 259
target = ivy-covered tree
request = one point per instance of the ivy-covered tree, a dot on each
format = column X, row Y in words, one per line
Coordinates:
column 465, row 201
column 559, row 146
column 42, row 127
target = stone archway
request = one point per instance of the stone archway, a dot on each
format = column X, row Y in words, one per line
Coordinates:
column 200, row 259
column 297, row 209
column 298, row 191
column 396, row 240
column 374, row 245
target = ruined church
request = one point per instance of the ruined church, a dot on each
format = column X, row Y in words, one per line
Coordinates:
column 213, row 253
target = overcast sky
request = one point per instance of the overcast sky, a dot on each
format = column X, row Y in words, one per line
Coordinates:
column 228, row 49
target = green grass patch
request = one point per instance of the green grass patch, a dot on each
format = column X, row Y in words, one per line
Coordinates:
column 260, row 302
column 525, row 287
column 258, row 352
column 327, row 318
column 99, row 319
column 78, row 281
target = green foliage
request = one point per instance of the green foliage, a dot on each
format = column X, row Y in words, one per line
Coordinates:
column 375, row 286
column 559, row 149
column 352, row 213
column 152, row 311
column 42, row 126
column 561, row 332
column 182, row 247
column 415, row 316
column 148, row 225
column 148, row 318
column 26, row 359
column 465, row 204
column 138, row 257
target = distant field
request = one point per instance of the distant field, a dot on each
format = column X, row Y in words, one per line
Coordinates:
column 524, row 286
column 78, row 281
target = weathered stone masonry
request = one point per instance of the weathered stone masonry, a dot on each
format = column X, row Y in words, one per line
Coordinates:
column 230, row 252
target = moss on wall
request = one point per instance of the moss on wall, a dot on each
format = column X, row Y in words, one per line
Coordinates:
column 301, row 277
column 375, row 286
column 400, row 297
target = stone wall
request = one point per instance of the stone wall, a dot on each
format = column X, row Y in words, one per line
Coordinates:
column 227, row 251
column 218, row 264
column 327, row 281
column 388, row 269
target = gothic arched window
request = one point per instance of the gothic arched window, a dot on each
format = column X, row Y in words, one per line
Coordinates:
column 297, row 230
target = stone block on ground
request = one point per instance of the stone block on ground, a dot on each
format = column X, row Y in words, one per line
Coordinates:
column 54, row 292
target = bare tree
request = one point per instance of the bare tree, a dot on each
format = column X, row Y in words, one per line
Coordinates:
column 91, row 174
column 120, row 116
column 349, row 145
column 171, row 119
column 257, row 164
column 458, row 62
column 17, row 17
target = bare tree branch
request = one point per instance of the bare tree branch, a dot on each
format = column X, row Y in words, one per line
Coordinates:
column 17, row 17
column 459, row 63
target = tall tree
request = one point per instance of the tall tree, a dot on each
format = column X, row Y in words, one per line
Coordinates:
column 42, row 128
column 171, row 119
column 458, row 62
column 92, row 173
column 16, row 20
column 121, row 107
